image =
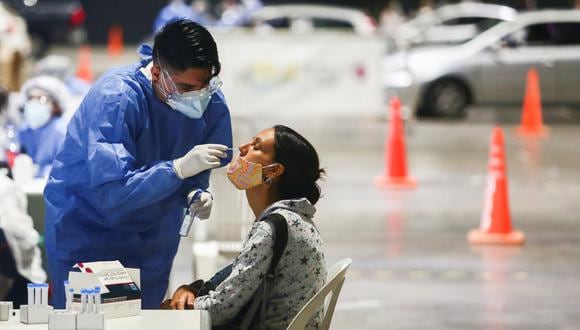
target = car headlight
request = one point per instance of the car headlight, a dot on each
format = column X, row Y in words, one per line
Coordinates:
column 398, row 79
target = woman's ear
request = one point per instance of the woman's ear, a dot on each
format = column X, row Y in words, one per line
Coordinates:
column 275, row 171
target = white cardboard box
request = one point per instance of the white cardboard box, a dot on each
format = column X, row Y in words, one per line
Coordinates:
column 112, row 310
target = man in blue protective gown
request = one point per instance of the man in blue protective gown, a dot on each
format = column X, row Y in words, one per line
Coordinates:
column 141, row 142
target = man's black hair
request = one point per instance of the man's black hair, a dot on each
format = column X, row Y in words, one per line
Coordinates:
column 183, row 44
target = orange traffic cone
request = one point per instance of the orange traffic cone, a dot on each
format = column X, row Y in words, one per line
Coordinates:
column 496, row 225
column 115, row 45
column 84, row 68
column 395, row 175
column 531, row 124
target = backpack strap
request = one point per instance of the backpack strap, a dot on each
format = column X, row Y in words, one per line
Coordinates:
column 280, row 238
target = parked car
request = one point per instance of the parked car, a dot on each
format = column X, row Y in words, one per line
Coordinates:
column 51, row 21
column 491, row 68
column 304, row 18
column 14, row 48
column 450, row 24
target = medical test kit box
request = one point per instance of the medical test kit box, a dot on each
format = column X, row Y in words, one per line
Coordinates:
column 120, row 287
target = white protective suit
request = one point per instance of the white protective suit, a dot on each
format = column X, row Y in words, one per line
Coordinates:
column 21, row 236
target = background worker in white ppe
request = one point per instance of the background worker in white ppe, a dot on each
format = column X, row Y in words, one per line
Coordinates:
column 44, row 127
column 62, row 68
column 20, row 258
column 143, row 139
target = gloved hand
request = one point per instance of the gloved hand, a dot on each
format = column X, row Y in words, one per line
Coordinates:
column 200, row 158
column 202, row 206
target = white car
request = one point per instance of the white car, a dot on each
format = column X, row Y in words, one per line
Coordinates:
column 15, row 48
column 491, row 68
column 450, row 24
column 304, row 18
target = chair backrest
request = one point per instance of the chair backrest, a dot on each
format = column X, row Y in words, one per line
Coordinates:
column 333, row 285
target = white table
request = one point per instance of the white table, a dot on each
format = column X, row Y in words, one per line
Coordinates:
column 148, row 320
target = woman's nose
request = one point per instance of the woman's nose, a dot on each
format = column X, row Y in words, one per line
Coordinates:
column 243, row 149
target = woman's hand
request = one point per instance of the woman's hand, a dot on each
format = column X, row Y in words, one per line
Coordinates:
column 182, row 298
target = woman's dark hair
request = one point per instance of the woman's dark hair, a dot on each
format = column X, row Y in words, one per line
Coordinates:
column 183, row 44
column 301, row 165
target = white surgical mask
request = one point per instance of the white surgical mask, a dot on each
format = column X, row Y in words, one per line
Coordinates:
column 37, row 113
column 192, row 104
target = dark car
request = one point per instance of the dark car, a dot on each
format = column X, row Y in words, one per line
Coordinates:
column 51, row 21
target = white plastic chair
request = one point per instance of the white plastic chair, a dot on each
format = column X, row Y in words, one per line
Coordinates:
column 328, row 296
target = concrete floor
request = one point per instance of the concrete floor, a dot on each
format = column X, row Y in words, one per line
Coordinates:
column 413, row 268
column 412, row 265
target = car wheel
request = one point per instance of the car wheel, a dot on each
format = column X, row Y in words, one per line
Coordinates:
column 446, row 98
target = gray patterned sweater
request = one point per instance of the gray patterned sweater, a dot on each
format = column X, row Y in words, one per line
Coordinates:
column 300, row 273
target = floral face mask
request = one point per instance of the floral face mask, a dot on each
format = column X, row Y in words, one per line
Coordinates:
column 245, row 174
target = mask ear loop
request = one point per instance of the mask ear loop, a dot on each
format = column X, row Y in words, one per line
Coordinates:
column 168, row 87
column 268, row 181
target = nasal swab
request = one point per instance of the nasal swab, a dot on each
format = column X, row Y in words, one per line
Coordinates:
column 30, row 287
column 69, row 296
column 83, row 301
column 97, row 299
column 37, row 294
column 44, row 292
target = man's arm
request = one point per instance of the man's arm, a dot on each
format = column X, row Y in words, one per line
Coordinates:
column 118, row 187
column 219, row 132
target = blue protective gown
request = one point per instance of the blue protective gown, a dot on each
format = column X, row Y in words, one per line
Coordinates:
column 174, row 10
column 112, row 193
column 42, row 143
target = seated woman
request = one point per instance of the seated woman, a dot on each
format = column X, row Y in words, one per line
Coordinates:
column 278, row 169
column 44, row 127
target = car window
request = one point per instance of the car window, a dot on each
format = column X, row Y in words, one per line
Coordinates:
column 546, row 34
column 481, row 24
column 278, row 22
column 539, row 35
column 530, row 36
column 566, row 34
column 464, row 20
column 329, row 23
column 487, row 23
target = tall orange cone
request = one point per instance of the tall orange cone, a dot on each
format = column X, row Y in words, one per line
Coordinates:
column 115, row 45
column 395, row 175
column 496, row 227
column 84, row 66
column 532, row 123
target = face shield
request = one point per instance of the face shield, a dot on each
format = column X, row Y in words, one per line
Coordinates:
column 192, row 103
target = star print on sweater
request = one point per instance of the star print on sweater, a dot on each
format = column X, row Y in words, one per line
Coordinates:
column 301, row 271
